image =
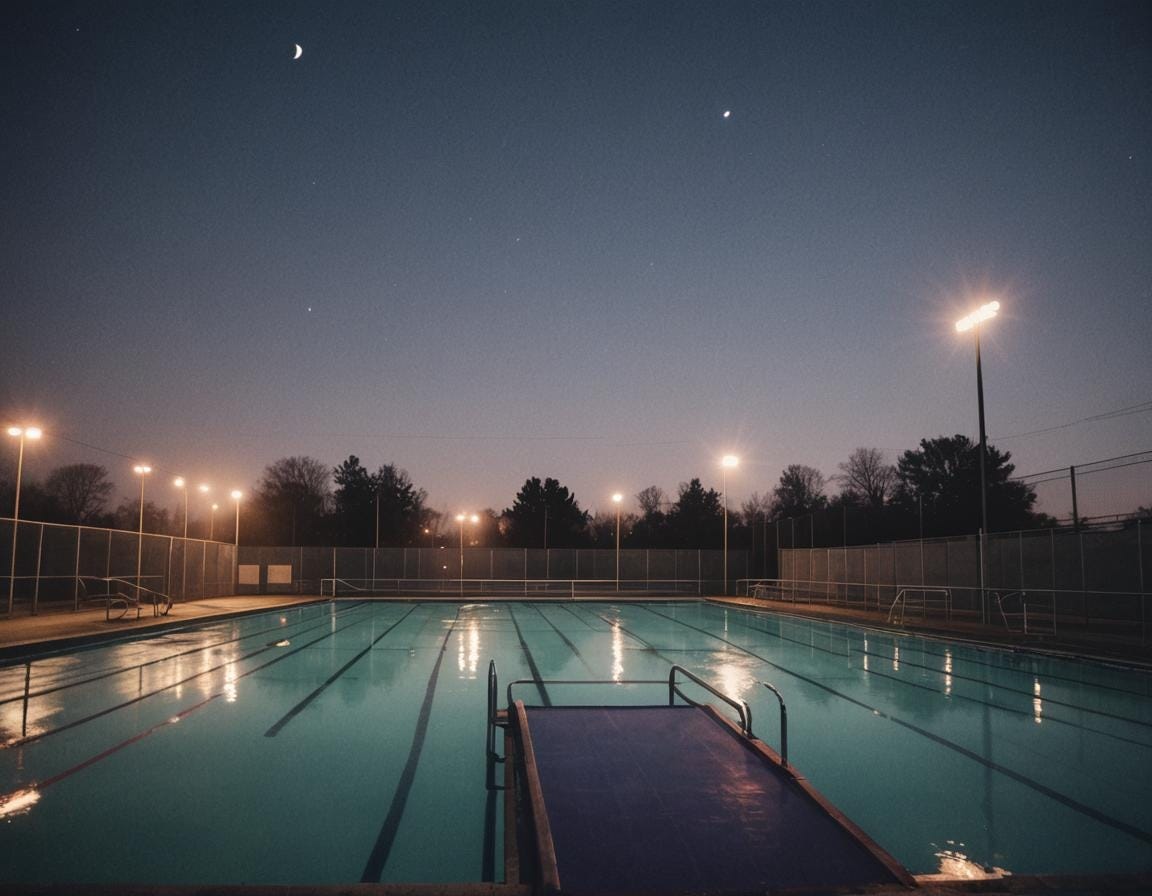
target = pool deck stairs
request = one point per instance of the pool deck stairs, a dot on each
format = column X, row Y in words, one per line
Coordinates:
column 669, row 800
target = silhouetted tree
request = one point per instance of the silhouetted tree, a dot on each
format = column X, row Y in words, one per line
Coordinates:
column 292, row 497
column 800, row 491
column 696, row 519
column 944, row 474
column 865, row 479
column 355, row 502
column 398, row 506
column 545, row 515
column 157, row 520
column 79, row 491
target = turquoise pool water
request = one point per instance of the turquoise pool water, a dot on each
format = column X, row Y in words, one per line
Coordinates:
column 341, row 742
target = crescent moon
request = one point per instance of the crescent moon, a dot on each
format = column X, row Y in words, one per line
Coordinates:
column 299, row 52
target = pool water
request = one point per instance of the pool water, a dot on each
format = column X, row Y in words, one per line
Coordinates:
column 344, row 742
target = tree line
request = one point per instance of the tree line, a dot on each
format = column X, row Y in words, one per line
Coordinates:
column 931, row 490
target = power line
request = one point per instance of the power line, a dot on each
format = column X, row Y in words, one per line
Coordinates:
column 1143, row 408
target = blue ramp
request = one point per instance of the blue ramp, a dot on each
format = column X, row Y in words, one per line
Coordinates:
column 674, row 799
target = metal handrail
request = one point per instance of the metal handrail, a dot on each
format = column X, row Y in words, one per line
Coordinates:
column 740, row 706
column 783, row 723
column 161, row 602
column 901, row 599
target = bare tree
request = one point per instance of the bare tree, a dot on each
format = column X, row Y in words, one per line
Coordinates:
column 651, row 500
column 756, row 507
column 80, row 491
column 800, row 491
column 866, row 477
column 294, row 494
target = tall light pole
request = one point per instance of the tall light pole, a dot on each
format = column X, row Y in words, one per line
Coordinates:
column 727, row 462
column 462, row 518
column 236, row 496
column 212, row 522
column 21, row 433
column 181, row 484
column 204, row 488
column 617, row 499
column 141, row 470
column 972, row 322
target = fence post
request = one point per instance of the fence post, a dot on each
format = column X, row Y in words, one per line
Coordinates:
column 1083, row 580
column 76, row 571
column 39, row 556
column 1143, row 596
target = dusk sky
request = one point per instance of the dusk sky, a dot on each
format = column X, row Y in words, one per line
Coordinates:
column 601, row 241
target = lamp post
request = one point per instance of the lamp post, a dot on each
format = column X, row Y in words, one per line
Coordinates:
column 462, row 518
column 236, row 496
column 727, row 462
column 204, row 488
column 972, row 322
column 141, row 470
column 181, row 484
column 21, row 433
column 617, row 499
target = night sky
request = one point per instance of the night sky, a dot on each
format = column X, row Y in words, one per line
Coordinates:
column 486, row 241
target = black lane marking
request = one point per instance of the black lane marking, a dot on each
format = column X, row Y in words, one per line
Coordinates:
column 531, row 660
column 378, row 858
column 1062, row 798
column 22, row 741
column 973, row 651
column 957, row 676
column 42, row 785
column 303, row 704
column 79, row 682
column 563, row 637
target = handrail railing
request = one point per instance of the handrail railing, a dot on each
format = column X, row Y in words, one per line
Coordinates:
column 783, row 723
column 902, row 601
column 139, row 594
column 1022, row 596
column 535, row 588
column 741, row 707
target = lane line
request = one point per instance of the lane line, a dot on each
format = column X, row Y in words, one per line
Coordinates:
column 1062, row 798
column 378, row 858
column 531, row 660
column 303, row 704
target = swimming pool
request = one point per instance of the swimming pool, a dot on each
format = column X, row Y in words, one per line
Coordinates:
column 341, row 742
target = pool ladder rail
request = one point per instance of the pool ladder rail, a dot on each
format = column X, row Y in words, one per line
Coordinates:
column 120, row 596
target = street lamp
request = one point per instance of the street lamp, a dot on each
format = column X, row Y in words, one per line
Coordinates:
column 141, row 470
column 617, row 499
column 972, row 322
column 236, row 496
column 462, row 518
column 181, row 484
column 21, row 433
column 727, row 462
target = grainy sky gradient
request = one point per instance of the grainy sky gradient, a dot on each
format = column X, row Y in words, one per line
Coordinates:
column 485, row 241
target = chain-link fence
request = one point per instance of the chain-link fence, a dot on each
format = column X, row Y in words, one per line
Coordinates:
column 270, row 570
column 53, row 561
column 1091, row 580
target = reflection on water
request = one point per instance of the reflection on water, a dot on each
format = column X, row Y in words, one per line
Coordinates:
column 955, row 865
column 468, row 649
column 896, row 658
column 18, row 802
column 947, row 672
column 1037, row 703
column 617, row 652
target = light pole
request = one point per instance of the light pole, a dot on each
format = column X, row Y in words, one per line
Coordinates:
column 236, row 496
column 141, row 470
column 972, row 322
column 617, row 499
column 21, row 433
column 180, row 483
column 727, row 462
column 462, row 518
column 204, row 488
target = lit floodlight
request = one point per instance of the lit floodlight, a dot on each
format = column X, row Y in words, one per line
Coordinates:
column 15, row 431
column 617, row 498
column 178, row 482
column 204, row 488
column 983, row 313
column 237, row 494
column 141, row 469
column 730, row 461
